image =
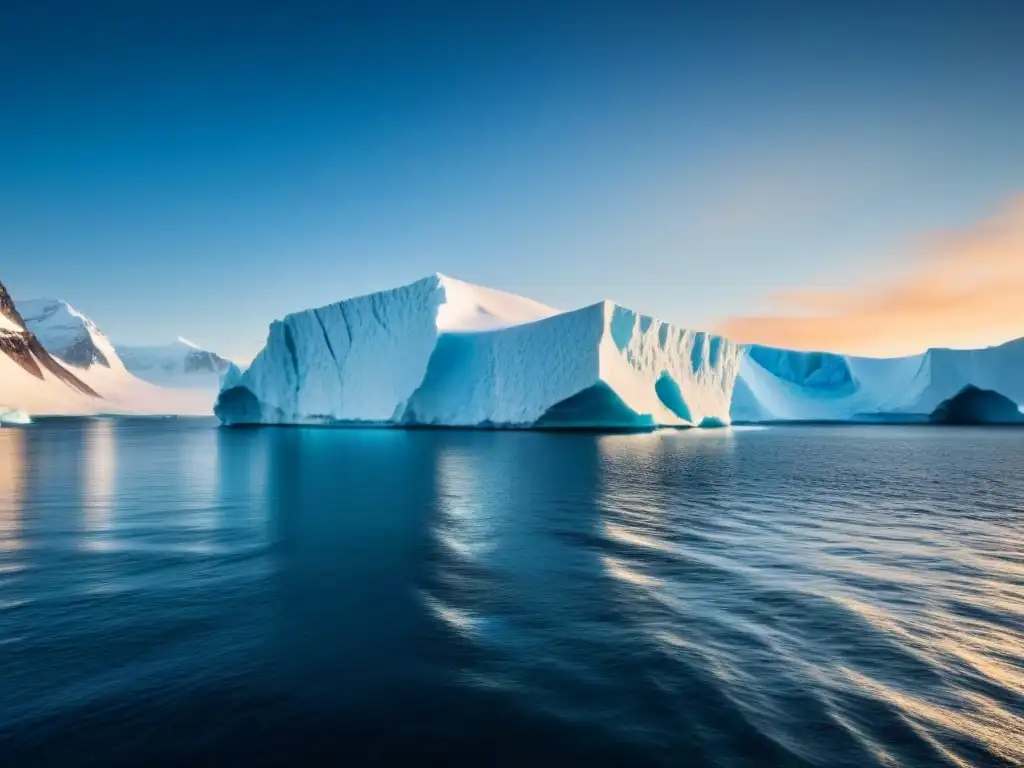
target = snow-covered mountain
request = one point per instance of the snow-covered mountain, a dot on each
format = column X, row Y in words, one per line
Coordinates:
column 67, row 334
column 68, row 367
column 786, row 385
column 179, row 364
column 73, row 337
column 443, row 352
column 29, row 375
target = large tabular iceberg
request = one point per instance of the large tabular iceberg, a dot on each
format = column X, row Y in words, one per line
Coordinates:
column 445, row 353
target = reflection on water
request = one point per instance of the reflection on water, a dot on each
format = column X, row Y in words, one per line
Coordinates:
column 814, row 611
column 99, row 478
column 12, row 480
column 801, row 596
column 200, row 462
column 463, row 529
column 462, row 485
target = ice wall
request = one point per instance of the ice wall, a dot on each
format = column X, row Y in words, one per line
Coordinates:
column 354, row 361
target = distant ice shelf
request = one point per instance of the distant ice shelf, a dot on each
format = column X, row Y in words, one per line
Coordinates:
column 441, row 352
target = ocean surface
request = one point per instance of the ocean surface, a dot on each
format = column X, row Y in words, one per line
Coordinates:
column 175, row 593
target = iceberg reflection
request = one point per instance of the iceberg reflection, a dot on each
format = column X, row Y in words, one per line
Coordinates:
column 99, row 484
column 462, row 527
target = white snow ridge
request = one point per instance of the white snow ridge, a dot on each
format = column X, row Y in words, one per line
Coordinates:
column 442, row 352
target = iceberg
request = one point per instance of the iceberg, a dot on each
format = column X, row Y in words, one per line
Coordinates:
column 441, row 352
column 787, row 385
column 13, row 416
column 445, row 353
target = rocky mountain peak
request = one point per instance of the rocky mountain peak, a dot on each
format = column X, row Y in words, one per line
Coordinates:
column 7, row 308
column 24, row 348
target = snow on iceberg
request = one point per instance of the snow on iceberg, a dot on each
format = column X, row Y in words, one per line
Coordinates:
column 442, row 352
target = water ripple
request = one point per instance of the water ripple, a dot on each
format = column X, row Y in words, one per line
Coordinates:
column 849, row 609
column 806, row 597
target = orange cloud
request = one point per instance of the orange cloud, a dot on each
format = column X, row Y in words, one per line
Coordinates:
column 966, row 290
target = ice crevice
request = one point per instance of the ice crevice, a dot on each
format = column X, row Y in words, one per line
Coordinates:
column 327, row 336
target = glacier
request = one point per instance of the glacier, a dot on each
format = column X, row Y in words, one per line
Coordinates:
column 442, row 352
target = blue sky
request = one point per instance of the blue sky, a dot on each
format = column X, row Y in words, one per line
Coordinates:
column 172, row 169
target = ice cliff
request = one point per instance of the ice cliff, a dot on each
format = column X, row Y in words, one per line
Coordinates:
column 446, row 353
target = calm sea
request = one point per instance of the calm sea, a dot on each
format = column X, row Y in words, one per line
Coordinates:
column 172, row 593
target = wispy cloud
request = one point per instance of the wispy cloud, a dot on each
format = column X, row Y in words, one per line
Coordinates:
column 964, row 288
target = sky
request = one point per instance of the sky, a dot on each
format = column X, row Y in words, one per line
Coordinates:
column 823, row 175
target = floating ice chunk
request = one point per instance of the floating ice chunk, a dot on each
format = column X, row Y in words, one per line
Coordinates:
column 13, row 416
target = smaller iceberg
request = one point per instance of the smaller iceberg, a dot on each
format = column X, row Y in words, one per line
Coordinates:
column 13, row 416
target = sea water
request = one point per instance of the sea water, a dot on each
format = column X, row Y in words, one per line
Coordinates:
column 173, row 592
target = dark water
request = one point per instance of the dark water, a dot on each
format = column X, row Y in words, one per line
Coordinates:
column 175, row 593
